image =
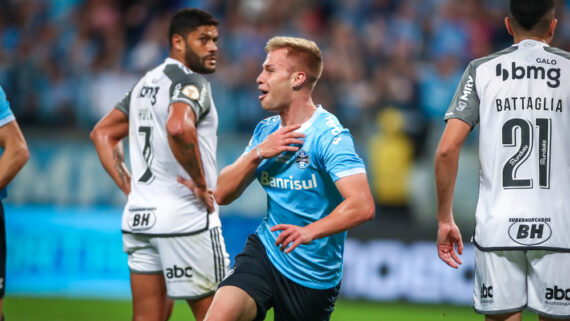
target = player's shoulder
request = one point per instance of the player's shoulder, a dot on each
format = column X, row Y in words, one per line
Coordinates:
column 474, row 64
column 268, row 124
column 269, row 121
column 178, row 74
column 2, row 95
column 328, row 127
column 4, row 105
column 559, row 52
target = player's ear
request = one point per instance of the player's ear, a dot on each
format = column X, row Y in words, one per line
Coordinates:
column 509, row 26
column 178, row 43
column 299, row 79
column 551, row 28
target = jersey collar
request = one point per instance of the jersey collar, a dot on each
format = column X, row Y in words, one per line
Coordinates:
column 170, row 61
column 526, row 43
column 310, row 121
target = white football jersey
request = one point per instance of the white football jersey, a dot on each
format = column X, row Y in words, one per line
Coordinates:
column 520, row 97
column 158, row 204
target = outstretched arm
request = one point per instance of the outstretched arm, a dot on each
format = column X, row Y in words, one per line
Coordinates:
column 357, row 208
column 183, row 141
column 15, row 154
column 234, row 178
column 106, row 137
column 446, row 163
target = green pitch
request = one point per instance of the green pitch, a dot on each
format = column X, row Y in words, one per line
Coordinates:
column 53, row 309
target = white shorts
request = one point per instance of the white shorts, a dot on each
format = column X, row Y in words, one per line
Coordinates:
column 192, row 265
column 509, row 281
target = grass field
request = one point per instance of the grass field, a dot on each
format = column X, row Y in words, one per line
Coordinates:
column 53, row 309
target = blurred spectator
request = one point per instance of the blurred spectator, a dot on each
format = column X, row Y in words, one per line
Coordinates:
column 66, row 62
column 390, row 160
column 56, row 52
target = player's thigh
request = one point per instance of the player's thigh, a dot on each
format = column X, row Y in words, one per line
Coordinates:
column 233, row 304
column 149, row 297
column 515, row 316
column 193, row 265
column 143, row 256
column 296, row 302
column 250, row 280
column 500, row 282
column 200, row 307
column 549, row 284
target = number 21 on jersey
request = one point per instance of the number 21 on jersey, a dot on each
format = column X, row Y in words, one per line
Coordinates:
column 523, row 129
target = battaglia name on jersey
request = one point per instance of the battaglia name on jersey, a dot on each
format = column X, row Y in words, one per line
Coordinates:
column 528, row 103
column 288, row 183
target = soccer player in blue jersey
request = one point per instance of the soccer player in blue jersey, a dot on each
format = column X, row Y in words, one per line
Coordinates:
column 316, row 188
column 15, row 154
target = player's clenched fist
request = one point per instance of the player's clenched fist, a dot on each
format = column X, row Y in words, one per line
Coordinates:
column 281, row 141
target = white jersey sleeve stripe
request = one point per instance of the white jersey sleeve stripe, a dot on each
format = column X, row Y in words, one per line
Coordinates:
column 350, row 172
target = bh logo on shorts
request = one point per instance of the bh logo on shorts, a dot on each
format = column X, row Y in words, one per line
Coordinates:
column 141, row 219
column 303, row 159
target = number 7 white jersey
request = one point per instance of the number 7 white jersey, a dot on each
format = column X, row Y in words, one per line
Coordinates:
column 158, row 204
column 520, row 97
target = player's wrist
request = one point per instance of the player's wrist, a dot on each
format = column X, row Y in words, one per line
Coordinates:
column 258, row 153
column 448, row 222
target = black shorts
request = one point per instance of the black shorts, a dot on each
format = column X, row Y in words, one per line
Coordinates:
column 256, row 275
column 2, row 253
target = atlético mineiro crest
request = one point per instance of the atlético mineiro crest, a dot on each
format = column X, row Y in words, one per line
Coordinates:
column 303, row 159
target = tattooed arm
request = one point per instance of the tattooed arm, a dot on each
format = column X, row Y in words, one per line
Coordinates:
column 183, row 141
column 107, row 137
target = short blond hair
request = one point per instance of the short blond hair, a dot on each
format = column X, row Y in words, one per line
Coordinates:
column 307, row 52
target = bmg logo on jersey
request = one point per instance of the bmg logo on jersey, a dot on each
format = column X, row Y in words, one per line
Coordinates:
column 526, row 233
column 141, row 219
column 530, row 72
column 176, row 272
column 149, row 92
column 557, row 293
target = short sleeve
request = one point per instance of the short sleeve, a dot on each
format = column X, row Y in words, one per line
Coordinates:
column 465, row 102
column 6, row 114
column 339, row 156
column 258, row 135
column 191, row 89
column 124, row 104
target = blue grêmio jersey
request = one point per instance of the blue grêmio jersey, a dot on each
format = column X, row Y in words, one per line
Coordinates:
column 6, row 116
column 300, row 190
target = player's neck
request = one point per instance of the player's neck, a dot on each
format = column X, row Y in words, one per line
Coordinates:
column 298, row 112
column 175, row 57
column 520, row 38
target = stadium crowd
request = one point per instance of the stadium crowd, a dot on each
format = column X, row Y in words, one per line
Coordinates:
column 391, row 66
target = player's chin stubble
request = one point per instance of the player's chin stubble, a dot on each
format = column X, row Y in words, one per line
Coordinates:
column 197, row 63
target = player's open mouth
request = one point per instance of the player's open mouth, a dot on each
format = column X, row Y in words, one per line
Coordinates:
column 263, row 94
